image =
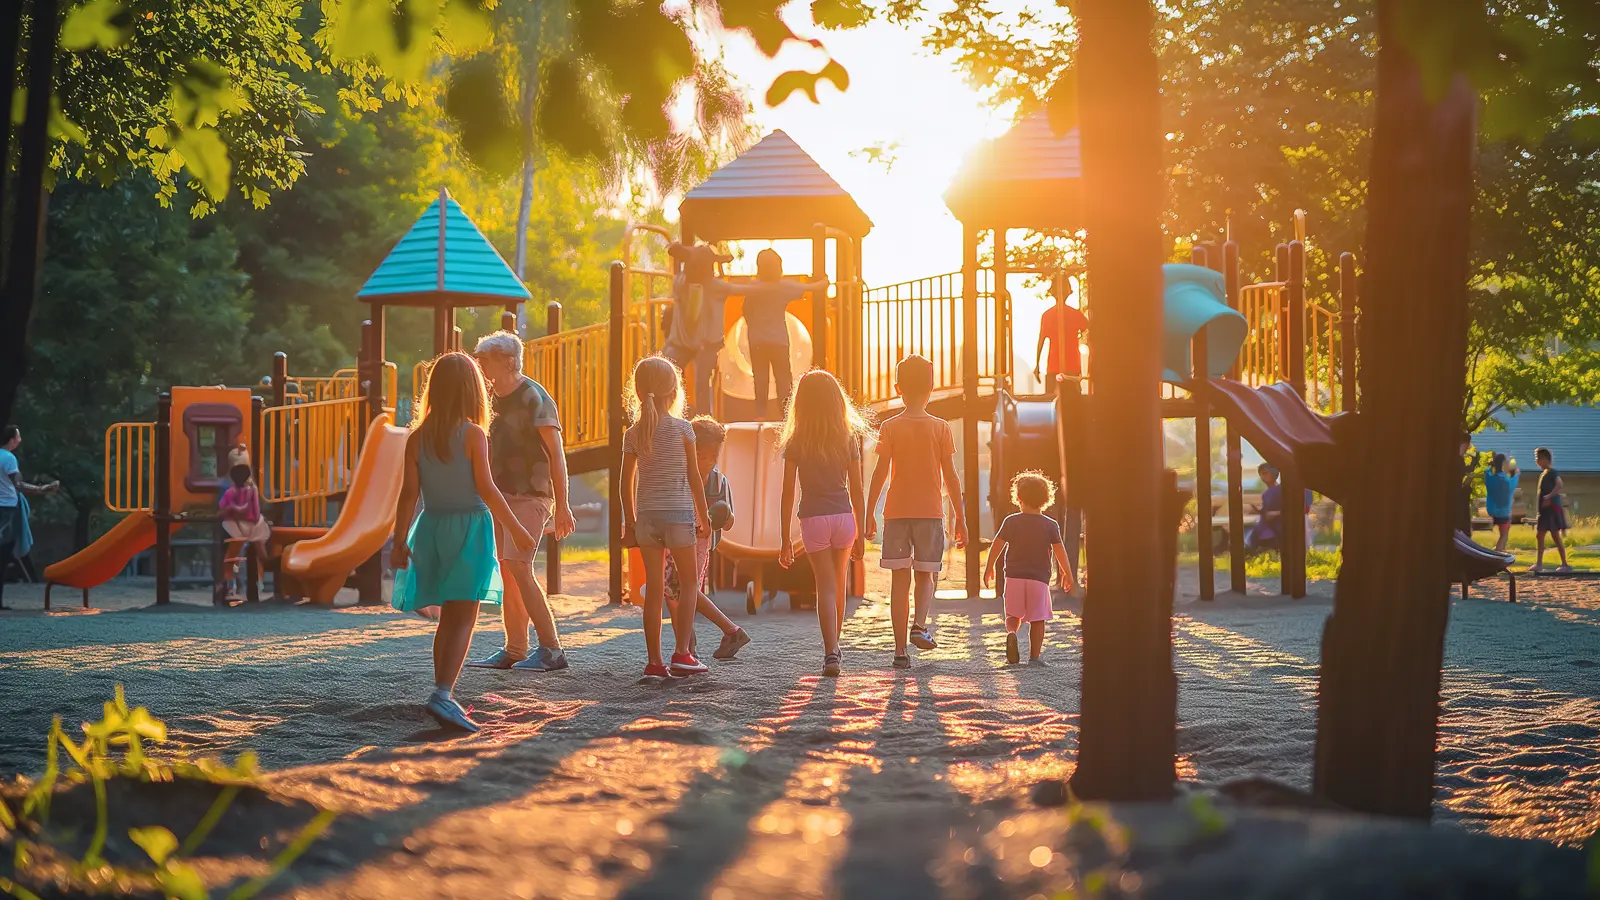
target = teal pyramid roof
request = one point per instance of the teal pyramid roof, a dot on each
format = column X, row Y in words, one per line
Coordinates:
column 444, row 258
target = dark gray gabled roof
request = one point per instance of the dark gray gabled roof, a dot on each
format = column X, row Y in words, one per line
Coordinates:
column 1572, row 432
column 1030, row 177
column 774, row 190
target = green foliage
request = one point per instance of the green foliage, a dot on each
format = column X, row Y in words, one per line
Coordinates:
column 115, row 748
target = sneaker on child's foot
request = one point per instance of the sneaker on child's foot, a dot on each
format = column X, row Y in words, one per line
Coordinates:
column 1013, row 653
column 1036, row 661
column 500, row 659
column 449, row 714
column 657, row 670
column 686, row 664
column 902, row 662
column 543, row 659
column 731, row 643
column 922, row 637
column 830, row 665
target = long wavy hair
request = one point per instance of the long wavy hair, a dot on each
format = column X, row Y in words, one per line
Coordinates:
column 821, row 424
column 655, row 390
column 455, row 395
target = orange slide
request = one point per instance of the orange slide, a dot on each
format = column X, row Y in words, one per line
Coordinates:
column 99, row 562
column 366, row 520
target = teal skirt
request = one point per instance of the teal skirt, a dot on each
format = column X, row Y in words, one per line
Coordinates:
column 452, row 559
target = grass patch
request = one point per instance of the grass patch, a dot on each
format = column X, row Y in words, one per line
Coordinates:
column 1321, row 565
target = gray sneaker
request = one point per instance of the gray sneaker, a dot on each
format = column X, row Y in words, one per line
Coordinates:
column 450, row 714
column 731, row 643
column 922, row 638
column 500, row 659
column 543, row 659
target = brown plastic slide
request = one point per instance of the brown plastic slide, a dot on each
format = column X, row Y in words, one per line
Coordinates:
column 1297, row 440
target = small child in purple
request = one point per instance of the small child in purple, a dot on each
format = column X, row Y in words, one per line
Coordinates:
column 1026, row 541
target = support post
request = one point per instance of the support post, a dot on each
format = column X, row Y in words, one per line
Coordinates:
column 1297, row 318
column 280, row 378
column 969, row 409
column 443, row 328
column 819, row 301
column 508, row 320
column 368, row 576
column 615, row 423
column 1200, row 391
column 1235, row 447
column 379, row 316
column 552, row 549
column 455, row 336
column 161, row 509
column 1349, row 313
column 1000, row 332
column 252, row 566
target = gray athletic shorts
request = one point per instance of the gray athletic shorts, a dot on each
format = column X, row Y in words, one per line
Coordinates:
column 658, row 529
column 916, row 544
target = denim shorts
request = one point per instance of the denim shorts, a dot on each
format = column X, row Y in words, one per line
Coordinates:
column 916, row 544
column 663, row 530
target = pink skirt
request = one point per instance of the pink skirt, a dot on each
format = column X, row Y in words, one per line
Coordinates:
column 257, row 532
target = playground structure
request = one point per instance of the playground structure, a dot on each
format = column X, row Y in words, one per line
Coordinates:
column 1272, row 363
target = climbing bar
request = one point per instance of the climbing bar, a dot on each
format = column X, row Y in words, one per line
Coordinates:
column 1261, row 359
column 309, row 450
column 130, row 466
column 575, row 363
column 924, row 317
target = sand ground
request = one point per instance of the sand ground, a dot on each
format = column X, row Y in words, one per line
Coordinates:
column 589, row 784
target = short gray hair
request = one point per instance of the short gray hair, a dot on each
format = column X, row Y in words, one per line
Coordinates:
column 502, row 343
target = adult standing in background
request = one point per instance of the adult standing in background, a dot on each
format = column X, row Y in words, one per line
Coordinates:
column 529, row 466
column 13, row 502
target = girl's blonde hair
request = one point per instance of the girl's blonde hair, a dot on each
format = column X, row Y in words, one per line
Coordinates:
column 655, row 389
column 455, row 395
column 821, row 424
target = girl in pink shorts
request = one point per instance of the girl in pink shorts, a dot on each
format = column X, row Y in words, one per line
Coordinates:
column 1027, row 541
column 821, row 443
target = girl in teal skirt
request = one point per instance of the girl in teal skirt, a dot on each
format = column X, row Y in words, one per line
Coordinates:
column 449, row 559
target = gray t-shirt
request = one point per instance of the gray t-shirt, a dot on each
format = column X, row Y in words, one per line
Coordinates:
column 517, row 455
column 697, row 328
column 1029, row 537
column 824, row 485
column 663, row 474
column 765, row 306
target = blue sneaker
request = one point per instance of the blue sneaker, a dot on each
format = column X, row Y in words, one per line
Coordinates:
column 449, row 714
column 543, row 659
column 500, row 659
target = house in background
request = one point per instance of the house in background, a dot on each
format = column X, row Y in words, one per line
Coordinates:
column 1573, row 435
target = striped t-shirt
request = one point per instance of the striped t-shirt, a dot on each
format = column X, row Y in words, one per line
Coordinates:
column 663, row 485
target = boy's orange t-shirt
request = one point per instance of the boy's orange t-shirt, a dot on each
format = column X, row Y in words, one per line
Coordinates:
column 916, row 447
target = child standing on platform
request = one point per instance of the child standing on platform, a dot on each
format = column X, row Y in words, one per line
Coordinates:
column 662, row 512
column 766, row 318
column 918, row 450
column 1026, row 541
column 449, row 559
column 821, row 444
column 709, row 436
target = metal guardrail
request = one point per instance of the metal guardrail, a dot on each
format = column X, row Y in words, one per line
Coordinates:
column 130, row 467
column 924, row 317
column 309, row 453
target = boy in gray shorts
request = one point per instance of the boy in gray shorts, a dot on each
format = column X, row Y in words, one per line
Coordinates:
column 918, row 450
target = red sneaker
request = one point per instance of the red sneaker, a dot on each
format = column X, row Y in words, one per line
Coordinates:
column 686, row 664
column 657, row 670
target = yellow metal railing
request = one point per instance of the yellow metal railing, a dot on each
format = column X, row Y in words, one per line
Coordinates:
column 130, row 466
column 572, row 366
column 925, row 317
column 1261, row 359
column 1323, row 388
column 309, row 453
column 341, row 385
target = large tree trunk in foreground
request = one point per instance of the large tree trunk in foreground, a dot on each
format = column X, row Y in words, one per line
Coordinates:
column 1383, row 647
column 1129, row 704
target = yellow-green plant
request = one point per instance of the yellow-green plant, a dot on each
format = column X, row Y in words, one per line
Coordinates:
column 115, row 747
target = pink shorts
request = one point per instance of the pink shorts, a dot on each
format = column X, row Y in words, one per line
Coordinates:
column 1028, row 600
column 835, row 532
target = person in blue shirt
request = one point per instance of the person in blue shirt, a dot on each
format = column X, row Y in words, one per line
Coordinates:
column 1499, row 484
column 14, row 536
column 1269, row 526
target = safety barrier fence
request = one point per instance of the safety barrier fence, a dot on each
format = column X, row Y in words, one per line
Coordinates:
column 130, row 466
column 572, row 367
column 309, row 453
column 925, row 317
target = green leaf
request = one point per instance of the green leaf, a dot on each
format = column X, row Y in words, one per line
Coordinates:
column 7, row 819
column 199, row 98
column 566, row 116
column 1594, row 863
column 465, row 24
column 1061, row 105
column 796, row 80
column 759, row 19
column 157, row 842
column 140, row 722
column 490, row 132
column 17, row 890
column 98, row 23
column 206, row 157
column 839, row 15
column 398, row 37
column 182, row 882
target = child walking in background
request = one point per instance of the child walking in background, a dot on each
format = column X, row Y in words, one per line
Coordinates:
column 766, row 317
column 662, row 509
column 449, row 558
column 709, row 436
column 916, row 451
column 241, row 516
column 1552, row 518
column 821, row 443
column 1499, row 484
column 1026, row 541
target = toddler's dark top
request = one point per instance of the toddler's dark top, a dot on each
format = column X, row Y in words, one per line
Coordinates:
column 1029, row 537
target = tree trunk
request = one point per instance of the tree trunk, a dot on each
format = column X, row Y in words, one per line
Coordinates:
column 80, row 524
column 1383, row 646
column 25, row 252
column 530, row 94
column 1128, row 739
